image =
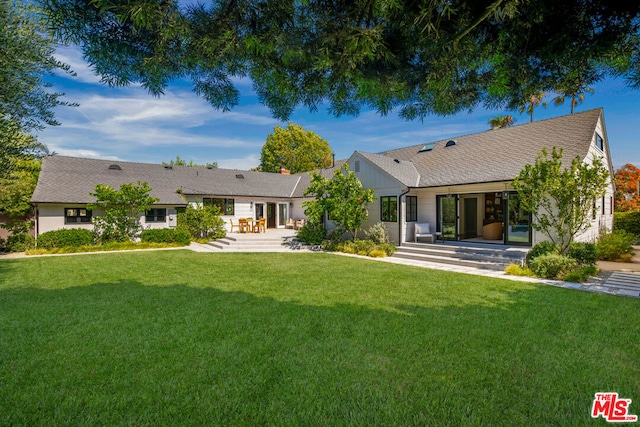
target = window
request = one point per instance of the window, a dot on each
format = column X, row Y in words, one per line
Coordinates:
column 602, row 211
column 599, row 142
column 356, row 166
column 77, row 215
column 226, row 206
column 412, row 208
column 156, row 215
column 389, row 208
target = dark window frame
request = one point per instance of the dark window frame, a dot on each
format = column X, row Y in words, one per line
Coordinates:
column 389, row 214
column 152, row 215
column 411, row 208
column 599, row 141
column 227, row 206
column 79, row 216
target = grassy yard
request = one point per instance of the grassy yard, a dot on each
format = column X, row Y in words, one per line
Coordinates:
column 181, row 338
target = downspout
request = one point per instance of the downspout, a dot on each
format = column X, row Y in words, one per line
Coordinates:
column 400, row 215
column 37, row 225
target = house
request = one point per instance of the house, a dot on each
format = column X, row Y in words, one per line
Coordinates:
column 460, row 186
column 65, row 184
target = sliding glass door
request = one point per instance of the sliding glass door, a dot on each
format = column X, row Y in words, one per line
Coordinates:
column 447, row 210
column 518, row 222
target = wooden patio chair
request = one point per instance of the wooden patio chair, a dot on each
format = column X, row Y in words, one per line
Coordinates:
column 243, row 224
column 260, row 224
column 234, row 225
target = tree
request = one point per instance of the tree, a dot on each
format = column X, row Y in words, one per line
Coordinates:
column 627, row 180
column 122, row 210
column 26, row 57
column 179, row 162
column 436, row 57
column 342, row 197
column 499, row 122
column 533, row 100
column 295, row 149
column 561, row 198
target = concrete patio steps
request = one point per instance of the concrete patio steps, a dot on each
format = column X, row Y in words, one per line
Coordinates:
column 477, row 256
column 271, row 241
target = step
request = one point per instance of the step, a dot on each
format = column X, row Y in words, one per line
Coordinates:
column 477, row 257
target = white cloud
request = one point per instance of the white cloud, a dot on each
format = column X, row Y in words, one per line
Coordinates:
column 72, row 55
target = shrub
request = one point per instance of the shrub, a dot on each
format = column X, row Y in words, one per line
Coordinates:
column 20, row 242
column 312, row 233
column 551, row 266
column 615, row 246
column 627, row 221
column 584, row 253
column 581, row 274
column 362, row 247
column 166, row 235
column 377, row 253
column 518, row 270
column 542, row 248
column 378, row 233
column 202, row 222
column 66, row 237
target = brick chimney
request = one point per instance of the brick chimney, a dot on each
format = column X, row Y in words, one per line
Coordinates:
column 284, row 171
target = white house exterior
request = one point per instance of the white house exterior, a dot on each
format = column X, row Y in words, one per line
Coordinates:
column 460, row 186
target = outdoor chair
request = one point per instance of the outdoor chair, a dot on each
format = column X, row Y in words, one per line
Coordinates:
column 243, row 224
column 260, row 224
column 423, row 230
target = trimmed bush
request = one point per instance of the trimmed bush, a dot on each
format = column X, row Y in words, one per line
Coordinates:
column 584, row 253
column 20, row 242
column 551, row 266
column 312, row 233
column 542, row 248
column 615, row 246
column 627, row 221
column 166, row 235
column 66, row 237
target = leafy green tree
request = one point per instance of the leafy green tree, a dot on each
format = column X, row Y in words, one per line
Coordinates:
column 180, row 162
column 122, row 210
column 202, row 222
column 16, row 188
column 295, row 149
column 560, row 197
column 499, row 122
column 26, row 58
column 436, row 57
column 342, row 197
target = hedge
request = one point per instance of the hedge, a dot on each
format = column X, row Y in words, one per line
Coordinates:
column 627, row 221
column 66, row 237
column 166, row 235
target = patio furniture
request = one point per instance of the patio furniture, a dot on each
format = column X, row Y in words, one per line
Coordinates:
column 300, row 223
column 260, row 224
column 243, row 224
column 422, row 230
column 492, row 231
column 239, row 225
column 290, row 223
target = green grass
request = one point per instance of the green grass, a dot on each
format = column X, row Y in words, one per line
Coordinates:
column 181, row 338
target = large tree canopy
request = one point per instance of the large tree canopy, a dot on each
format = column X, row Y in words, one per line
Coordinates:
column 26, row 57
column 435, row 57
column 295, row 149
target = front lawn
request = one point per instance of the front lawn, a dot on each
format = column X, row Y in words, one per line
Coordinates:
column 183, row 338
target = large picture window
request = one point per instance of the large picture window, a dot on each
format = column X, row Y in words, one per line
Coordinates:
column 77, row 215
column 412, row 208
column 389, row 208
column 156, row 215
column 226, row 206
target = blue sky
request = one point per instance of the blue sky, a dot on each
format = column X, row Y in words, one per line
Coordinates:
column 129, row 124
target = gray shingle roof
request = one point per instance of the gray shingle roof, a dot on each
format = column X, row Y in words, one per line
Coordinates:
column 71, row 179
column 402, row 170
column 500, row 154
